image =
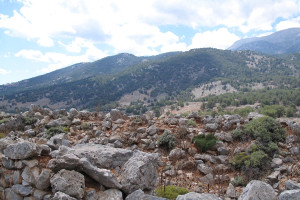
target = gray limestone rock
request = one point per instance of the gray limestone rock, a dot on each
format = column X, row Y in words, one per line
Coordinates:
column 30, row 176
column 58, row 140
column 67, row 161
column 176, row 154
column 69, row 182
column 103, row 176
column 292, row 185
column 290, row 195
column 22, row 190
column 62, row 196
column 9, row 194
column 197, row 196
column 21, row 150
column 211, row 127
column 115, row 114
column 139, row 172
column 102, row 156
column 205, row 169
column 152, row 130
column 111, row 194
column 224, row 136
column 258, row 190
column 43, row 181
column 139, row 195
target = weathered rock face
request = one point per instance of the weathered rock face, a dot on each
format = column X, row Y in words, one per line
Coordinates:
column 176, row 154
column 21, row 150
column 290, row 195
column 139, row 194
column 69, row 182
column 258, row 190
column 102, row 156
column 197, row 196
column 139, row 172
column 111, row 194
column 115, row 114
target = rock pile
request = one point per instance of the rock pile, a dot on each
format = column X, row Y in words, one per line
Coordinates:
column 83, row 155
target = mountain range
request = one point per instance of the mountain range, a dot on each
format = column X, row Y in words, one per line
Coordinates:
column 107, row 81
column 281, row 42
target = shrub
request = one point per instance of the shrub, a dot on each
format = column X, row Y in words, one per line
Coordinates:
column 204, row 142
column 239, row 160
column 243, row 111
column 4, row 120
column 29, row 120
column 191, row 122
column 167, row 140
column 274, row 111
column 238, row 181
column 257, row 159
column 265, row 130
column 54, row 131
column 2, row 135
column 238, row 134
column 171, row 192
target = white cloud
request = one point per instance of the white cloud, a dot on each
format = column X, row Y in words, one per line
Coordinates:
column 292, row 23
column 132, row 25
column 220, row 39
column 3, row 71
column 59, row 60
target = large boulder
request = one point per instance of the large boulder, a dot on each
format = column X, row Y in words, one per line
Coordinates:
column 22, row 150
column 98, row 155
column 290, row 195
column 102, row 156
column 115, row 114
column 58, row 140
column 258, row 190
column 139, row 172
column 111, row 194
column 103, row 176
column 139, row 194
column 69, row 182
column 197, row 196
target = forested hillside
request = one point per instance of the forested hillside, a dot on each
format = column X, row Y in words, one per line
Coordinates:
column 167, row 76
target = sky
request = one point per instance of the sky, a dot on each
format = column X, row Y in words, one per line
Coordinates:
column 40, row 36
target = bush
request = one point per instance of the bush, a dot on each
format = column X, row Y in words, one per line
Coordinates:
column 204, row 142
column 257, row 159
column 239, row 160
column 54, row 131
column 29, row 120
column 243, row 111
column 2, row 135
column 4, row 120
column 167, row 140
column 191, row 122
column 238, row 181
column 274, row 111
column 238, row 134
column 171, row 192
column 265, row 130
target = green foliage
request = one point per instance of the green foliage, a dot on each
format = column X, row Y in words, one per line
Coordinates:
column 54, row 131
column 257, row 159
column 238, row 181
column 29, row 120
column 243, row 111
column 204, row 142
column 238, row 134
column 239, row 160
column 274, row 111
column 290, row 111
column 171, row 192
column 167, row 140
column 265, row 130
column 2, row 135
column 4, row 120
column 191, row 122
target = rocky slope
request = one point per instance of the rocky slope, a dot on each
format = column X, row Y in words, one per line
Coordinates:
column 55, row 154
